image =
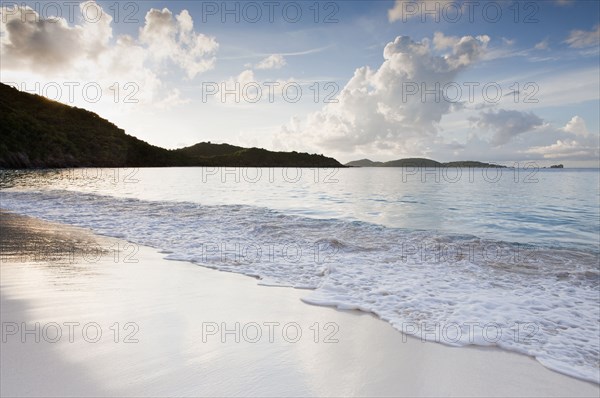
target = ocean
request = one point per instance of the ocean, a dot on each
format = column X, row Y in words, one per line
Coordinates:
column 503, row 257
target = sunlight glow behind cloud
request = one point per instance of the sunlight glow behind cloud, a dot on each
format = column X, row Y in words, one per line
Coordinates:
column 387, row 64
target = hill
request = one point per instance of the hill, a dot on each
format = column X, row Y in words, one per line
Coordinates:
column 39, row 133
column 206, row 149
column 472, row 164
column 207, row 154
column 412, row 162
column 363, row 163
column 420, row 162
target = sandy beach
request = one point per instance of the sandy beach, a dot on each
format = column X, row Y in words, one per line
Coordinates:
column 300, row 198
column 115, row 319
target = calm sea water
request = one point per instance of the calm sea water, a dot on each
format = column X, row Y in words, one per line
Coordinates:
column 505, row 257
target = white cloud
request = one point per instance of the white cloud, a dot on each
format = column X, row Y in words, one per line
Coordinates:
column 34, row 49
column 236, row 90
column 583, row 38
column 442, row 42
column 375, row 111
column 564, row 146
column 47, row 45
column 274, row 61
column 175, row 39
column 462, row 55
column 566, row 149
column 507, row 124
column 576, row 126
column 245, row 77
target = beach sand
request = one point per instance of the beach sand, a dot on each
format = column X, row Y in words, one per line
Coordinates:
column 60, row 278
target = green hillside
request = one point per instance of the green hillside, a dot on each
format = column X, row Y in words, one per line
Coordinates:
column 39, row 133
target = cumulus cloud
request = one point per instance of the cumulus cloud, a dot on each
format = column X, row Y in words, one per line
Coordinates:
column 576, row 126
column 275, row 61
column 583, row 38
column 563, row 145
column 507, row 124
column 566, row 149
column 174, row 39
column 374, row 109
column 245, row 77
column 52, row 49
column 442, row 42
column 46, row 45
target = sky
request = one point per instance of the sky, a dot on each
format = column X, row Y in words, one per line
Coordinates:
column 498, row 81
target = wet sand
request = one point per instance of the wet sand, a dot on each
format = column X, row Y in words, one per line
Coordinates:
column 134, row 324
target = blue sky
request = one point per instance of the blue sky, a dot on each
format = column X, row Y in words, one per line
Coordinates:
column 367, row 55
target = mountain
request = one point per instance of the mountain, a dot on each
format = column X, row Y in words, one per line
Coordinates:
column 364, row 163
column 206, row 149
column 472, row 164
column 420, row 162
column 37, row 132
column 412, row 162
column 207, row 154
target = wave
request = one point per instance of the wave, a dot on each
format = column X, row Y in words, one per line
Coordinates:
column 454, row 289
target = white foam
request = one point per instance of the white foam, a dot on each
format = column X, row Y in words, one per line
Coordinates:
column 452, row 289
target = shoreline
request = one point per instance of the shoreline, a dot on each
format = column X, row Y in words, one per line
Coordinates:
column 176, row 306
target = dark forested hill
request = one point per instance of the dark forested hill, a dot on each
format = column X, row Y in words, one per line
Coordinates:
column 37, row 132
column 419, row 162
column 364, row 163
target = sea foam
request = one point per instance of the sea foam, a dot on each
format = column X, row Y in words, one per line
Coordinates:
column 454, row 289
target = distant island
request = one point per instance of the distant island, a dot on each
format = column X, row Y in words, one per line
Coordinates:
column 40, row 133
column 421, row 162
